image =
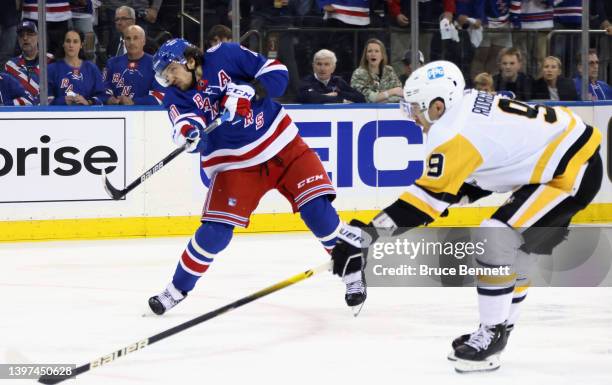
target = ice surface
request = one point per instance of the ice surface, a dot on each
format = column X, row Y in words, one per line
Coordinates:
column 72, row 302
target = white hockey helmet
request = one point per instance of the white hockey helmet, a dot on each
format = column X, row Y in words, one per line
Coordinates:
column 438, row 79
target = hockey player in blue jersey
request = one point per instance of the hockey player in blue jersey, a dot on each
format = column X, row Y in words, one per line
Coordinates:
column 129, row 79
column 257, row 150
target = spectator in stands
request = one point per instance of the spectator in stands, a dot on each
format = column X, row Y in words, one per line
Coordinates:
column 218, row 34
column 9, row 19
column 351, row 12
column 376, row 80
column 510, row 77
column 484, row 82
column 129, row 79
column 323, row 87
column 407, row 65
column 598, row 89
column 495, row 37
column 24, row 68
column 74, row 80
column 280, row 44
column 551, row 86
column 567, row 15
column 430, row 14
column 82, row 19
column 534, row 20
column 58, row 16
column 145, row 12
column 11, row 92
column 124, row 17
column 601, row 18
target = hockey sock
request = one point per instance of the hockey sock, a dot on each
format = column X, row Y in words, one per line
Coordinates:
column 322, row 219
column 495, row 296
column 209, row 239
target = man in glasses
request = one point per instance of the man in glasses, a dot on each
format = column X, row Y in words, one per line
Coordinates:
column 598, row 89
column 25, row 67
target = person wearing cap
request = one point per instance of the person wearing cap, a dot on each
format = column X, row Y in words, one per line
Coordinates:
column 25, row 67
column 407, row 61
column 322, row 86
column 58, row 16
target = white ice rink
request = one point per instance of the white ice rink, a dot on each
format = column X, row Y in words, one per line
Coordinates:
column 71, row 302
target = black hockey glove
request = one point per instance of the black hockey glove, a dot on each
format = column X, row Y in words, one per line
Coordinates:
column 350, row 253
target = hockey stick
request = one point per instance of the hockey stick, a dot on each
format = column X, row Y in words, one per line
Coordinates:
column 106, row 359
column 116, row 194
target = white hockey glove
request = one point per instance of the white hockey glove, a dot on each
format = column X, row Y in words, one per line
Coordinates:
column 237, row 99
column 186, row 133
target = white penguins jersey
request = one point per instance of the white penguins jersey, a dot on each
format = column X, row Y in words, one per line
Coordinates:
column 500, row 144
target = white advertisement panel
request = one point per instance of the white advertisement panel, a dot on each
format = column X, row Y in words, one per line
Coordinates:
column 60, row 159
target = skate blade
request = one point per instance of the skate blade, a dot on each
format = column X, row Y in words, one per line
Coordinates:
column 357, row 309
column 467, row 366
column 451, row 356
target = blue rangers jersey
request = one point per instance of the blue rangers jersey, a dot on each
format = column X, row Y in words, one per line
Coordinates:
column 85, row 81
column 244, row 142
column 133, row 78
column 11, row 92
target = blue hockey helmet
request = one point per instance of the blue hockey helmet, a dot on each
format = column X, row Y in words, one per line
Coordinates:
column 171, row 51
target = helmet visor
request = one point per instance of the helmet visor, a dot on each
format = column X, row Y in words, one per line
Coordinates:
column 411, row 111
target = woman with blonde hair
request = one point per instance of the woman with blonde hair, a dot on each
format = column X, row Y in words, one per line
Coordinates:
column 551, row 85
column 374, row 78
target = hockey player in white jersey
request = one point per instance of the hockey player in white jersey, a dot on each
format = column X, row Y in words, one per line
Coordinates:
column 478, row 143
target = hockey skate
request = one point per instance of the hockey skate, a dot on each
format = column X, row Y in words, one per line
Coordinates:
column 464, row 337
column 356, row 291
column 481, row 350
column 166, row 300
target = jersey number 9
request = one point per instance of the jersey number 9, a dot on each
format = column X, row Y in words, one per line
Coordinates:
column 513, row 107
column 435, row 165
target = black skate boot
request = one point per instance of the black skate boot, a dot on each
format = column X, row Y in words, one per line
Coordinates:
column 464, row 337
column 166, row 300
column 481, row 350
column 356, row 291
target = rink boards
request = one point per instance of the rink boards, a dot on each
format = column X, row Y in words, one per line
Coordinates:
column 51, row 158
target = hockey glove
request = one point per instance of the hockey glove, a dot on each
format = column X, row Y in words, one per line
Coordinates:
column 349, row 255
column 186, row 133
column 237, row 100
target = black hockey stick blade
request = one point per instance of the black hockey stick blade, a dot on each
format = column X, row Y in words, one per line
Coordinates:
column 110, row 189
column 108, row 358
column 117, row 194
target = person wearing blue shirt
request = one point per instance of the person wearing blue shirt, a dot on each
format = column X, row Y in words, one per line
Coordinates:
column 74, row 80
column 129, row 79
column 598, row 89
column 11, row 92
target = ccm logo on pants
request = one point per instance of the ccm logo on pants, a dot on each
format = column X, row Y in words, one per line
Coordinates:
column 310, row 179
